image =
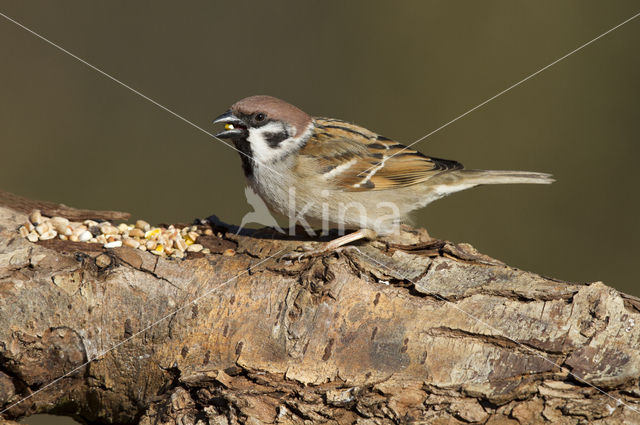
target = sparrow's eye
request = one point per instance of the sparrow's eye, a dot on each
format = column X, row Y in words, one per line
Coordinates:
column 259, row 117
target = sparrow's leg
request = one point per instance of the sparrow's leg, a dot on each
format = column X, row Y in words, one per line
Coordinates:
column 333, row 245
column 351, row 237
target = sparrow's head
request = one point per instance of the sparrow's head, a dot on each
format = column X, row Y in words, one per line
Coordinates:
column 265, row 128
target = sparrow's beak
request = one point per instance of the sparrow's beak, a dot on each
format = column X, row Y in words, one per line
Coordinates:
column 234, row 126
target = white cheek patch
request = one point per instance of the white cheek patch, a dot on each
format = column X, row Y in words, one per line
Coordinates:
column 262, row 151
column 259, row 145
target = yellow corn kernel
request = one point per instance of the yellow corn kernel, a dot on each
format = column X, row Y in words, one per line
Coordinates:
column 159, row 248
column 228, row 126
column 152, row 233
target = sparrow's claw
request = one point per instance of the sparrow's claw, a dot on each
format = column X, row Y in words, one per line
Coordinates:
column 304, row 251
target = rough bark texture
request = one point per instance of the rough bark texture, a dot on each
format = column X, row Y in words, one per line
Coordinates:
column 431, row 332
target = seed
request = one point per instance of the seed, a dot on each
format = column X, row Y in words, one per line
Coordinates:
column 136, row 233
column 77, row 231
column 229, row 252
column 108, row 229
column 180, row 244
column 43, row 228
column 159, row 250
column 85, row 236
column 152, row 233
column 113, row 244
column 61, row 225
column 50, row 234
column 196, row 247
column 170, row 241
column 59, row 220
column 132, row 243
column 35, row 217
column 143, row 225
column 64, row 230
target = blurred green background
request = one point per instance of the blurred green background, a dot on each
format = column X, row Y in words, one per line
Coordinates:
column 69, row 134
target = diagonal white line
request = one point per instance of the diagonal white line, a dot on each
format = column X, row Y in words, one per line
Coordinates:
column 113, row 347
column 109, row 76
column 505, row 336
column 511, row 87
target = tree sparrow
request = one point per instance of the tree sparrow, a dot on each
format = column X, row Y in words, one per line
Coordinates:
column 339, row 174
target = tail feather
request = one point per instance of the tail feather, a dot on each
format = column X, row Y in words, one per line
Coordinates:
column 476, row 177
column 450, row 182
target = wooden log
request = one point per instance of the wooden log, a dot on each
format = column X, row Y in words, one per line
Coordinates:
column 428, row 331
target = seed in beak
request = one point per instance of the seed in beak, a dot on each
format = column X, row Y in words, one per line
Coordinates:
column 228, row 127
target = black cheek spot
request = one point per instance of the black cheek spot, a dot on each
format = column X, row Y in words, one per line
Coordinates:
column 274, row 139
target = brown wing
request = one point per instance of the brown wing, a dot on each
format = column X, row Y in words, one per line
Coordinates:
column 356, row 159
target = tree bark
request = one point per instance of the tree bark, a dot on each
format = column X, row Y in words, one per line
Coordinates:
column 428, row 331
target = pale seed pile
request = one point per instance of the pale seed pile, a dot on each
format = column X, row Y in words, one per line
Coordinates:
column 165, row 242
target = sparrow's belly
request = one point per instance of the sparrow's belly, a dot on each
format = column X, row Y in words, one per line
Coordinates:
column 308, row 202
column 274, row 187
